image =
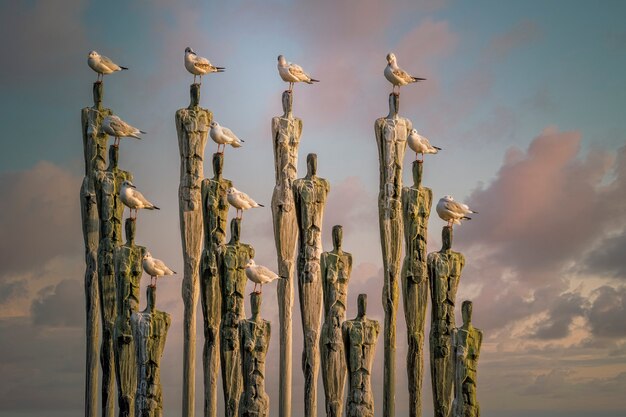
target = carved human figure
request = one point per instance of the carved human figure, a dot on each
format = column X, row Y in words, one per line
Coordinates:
column 110, row 213
column 444, row 273
column 310, row 195
column 359, row 340
column 254, row 337
column 416, row 205
column 232, row 260
column 336, row 267
column 149, row 331
column 466, row 341
column 286, row 131
column 128, row 271
column 391, row 135
column 215, row 214
column 94, row 148
column 192, row 127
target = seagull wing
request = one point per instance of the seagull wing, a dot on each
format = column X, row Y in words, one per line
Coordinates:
column 143, row 200
column 455, row 207
column 403, row 75
column 109, row 64
column 229, row 134
column 266, row 272
column 297, row 71
column 202, row 63
column 161, row 265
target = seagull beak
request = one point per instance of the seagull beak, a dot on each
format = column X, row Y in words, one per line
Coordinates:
column 132, row 186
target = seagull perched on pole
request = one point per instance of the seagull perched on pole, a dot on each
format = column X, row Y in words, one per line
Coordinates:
column 223, row 136
column 155, row 268
column 133, row 199
column 452, row 211
column 102, row 65
column 240, row 201
column 293, row 73
column 396, row 75
column 259, row 275
column 198, row 65
column 419, row 144
column 116, row 127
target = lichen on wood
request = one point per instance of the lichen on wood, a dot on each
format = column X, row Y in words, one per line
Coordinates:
column 466, row 341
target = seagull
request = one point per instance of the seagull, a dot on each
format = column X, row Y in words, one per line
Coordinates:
column 155, row 268
column 223, row 136
column 293, row 73
column 452, row 211
column 240, row 201
column 396, row 75
column 133, row 199
column 198, row 65
column 259, row 275
column 116, row 127
column 102, row 65
column 419, row 144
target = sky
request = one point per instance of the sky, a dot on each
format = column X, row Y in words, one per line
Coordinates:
column 526, row 99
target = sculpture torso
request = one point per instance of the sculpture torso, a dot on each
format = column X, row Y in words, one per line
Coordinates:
column 255, row 340
column 233, row 259
column 336, row 270
column 416, row 204
column 444, row 272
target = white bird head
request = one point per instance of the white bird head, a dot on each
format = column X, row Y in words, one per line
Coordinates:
column 188, row 50
column 414, row 132
column 93, row 54
column 147, row 255
column 282, row 61
column 448, row 197
column 391, row 58
column 231, row 190
column 250, row 263
column 127, row 183
column 214, row 124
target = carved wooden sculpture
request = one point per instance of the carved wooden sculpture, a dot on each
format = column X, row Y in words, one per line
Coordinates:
column 128, row 271
column 254, row 337
column 416, row 205
column 286, row 131
column 192, row 126
column 215, row 214
column 336, row 267
column 149, row 331
column 232, row 260
column 444, row 272
column 94, row 146
column 310, row 195
column 466, row 341
column 391, row 135
column 359, row 340
column 110, row 213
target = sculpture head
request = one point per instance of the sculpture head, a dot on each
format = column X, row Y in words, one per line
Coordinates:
column 311, row 165
column 235, row 230
column 466, row 312
column 446, row 238
column 218, row 164
column 417, row 173
column 394, row 105
column 337, row 236
column 361, row 305
column 287, row 103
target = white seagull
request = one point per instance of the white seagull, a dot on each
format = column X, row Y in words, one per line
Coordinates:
column 116, row 127
column 155, row 268
column 240, row 201
column 133, row 199
column 396, row 75
column 102, row 65
column 452, row 211
column 223, row 136
column 259, row 275
column 198, row 65
column 420, row 144
column 293, row 73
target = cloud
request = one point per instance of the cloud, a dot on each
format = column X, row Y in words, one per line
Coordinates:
column 608, row 257
column 606, row 314
column 38, row 217
column 60, row 305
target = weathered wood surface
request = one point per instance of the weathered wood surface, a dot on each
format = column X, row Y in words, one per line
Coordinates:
column 466, row 341
column 232, row 260
column 286, row 131
column 391, row 135
column 128, row 271
column 416, row 206
column 110, row 213
column 215, row 216
column 192, row 127
column 336, row 268
column 310, row 195
column 149, row 332
column 359, row 340
column 254, row 337
column 444, row 273
column 94, row 148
